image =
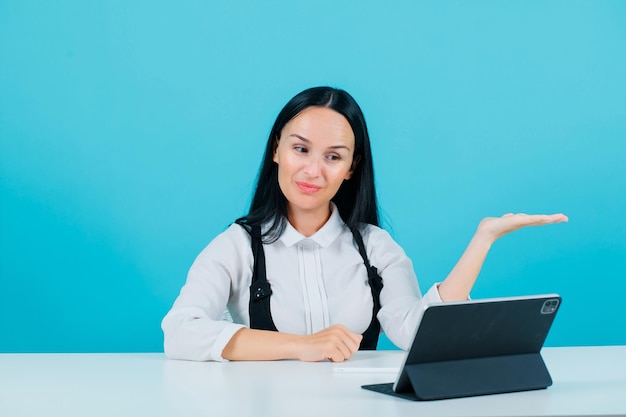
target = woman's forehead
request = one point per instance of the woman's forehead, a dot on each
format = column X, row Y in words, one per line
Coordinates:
column 320, row 124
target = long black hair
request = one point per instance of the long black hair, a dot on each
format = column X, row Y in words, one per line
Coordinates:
column 356, row 199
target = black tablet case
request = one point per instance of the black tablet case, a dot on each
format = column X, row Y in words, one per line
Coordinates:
column 477, row 348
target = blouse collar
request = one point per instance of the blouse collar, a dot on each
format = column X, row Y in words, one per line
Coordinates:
column 323, row 237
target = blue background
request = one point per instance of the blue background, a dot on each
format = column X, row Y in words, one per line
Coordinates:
column 131, row 134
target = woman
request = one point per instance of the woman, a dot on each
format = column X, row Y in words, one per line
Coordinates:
column 310, row 260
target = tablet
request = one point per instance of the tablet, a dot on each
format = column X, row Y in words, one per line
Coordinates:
column 477, row 347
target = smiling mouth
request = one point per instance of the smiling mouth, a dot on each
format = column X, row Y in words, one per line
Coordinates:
column 307, row 188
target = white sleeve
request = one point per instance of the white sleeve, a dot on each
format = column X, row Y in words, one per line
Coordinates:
column 401, row 302
column 193, row 329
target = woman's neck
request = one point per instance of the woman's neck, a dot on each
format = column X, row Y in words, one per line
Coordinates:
column 306, row 222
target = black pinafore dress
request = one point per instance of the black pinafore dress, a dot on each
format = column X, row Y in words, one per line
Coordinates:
column 260, row 290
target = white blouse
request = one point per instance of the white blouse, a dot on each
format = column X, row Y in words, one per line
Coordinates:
column 316, row 282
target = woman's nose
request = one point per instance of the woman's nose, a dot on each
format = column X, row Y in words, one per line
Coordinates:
column 313, row 167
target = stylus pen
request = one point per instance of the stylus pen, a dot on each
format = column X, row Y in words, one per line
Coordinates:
column 366, row 370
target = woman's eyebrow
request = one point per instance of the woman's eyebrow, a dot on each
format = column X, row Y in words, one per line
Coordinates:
column 303, row 139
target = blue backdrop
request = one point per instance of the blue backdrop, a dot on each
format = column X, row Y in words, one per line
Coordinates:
column 131, row 133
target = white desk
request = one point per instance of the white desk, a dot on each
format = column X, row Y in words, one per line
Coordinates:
column 587, row 381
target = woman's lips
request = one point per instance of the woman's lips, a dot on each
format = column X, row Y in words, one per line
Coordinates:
column 307, row 188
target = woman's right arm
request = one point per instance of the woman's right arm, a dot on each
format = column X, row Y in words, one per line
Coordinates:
column 194, row 330
column 335, row 343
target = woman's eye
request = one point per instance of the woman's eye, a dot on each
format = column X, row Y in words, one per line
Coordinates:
column 333, row 157
column 300, row 149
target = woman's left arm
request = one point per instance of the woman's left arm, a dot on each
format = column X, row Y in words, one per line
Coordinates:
column 458, row 284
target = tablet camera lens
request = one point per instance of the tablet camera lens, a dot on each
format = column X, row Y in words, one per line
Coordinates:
column 549, row 306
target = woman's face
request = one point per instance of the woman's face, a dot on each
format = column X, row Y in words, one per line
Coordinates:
column 314, row 156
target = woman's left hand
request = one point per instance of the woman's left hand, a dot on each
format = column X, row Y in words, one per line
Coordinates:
column 493, row 228
column 461, row 279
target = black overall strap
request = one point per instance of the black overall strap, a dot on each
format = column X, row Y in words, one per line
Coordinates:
column 260, row 290
column 370, row 337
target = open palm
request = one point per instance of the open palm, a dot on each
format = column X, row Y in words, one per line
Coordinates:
column 496, row 227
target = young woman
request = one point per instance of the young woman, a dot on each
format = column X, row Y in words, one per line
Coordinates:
column 308, row 274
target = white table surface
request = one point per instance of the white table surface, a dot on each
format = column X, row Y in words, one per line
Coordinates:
column 587, row 381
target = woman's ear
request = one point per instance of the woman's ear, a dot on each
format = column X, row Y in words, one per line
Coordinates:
column 355, row 162
column 275, row 151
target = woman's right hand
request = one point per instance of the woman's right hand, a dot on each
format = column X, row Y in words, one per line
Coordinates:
column 335, row 343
